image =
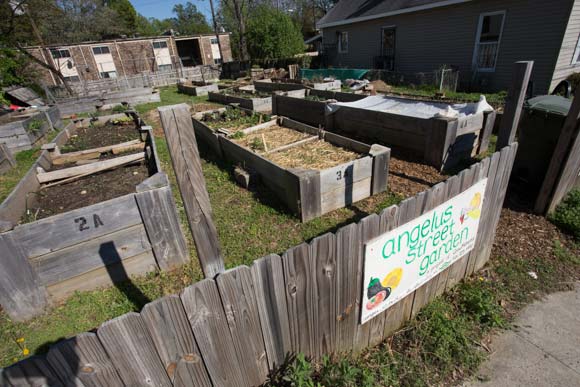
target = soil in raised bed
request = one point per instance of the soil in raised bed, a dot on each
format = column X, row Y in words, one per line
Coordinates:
column 86, row 191
column 234, row 120
column 101, row 135
column 246, row 94
column 318, row 154
column 269, row 138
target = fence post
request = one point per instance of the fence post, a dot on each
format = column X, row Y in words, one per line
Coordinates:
column 515, row 100
column 178, row 128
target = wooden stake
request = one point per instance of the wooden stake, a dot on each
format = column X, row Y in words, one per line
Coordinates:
column 178, row 128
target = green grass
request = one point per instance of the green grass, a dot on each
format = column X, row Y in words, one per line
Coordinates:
column 567, row 214
column 429, row 91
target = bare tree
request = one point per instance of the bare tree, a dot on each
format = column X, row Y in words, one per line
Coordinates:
column 215, row 28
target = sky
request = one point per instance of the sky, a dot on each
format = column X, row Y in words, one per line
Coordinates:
column 161, row 9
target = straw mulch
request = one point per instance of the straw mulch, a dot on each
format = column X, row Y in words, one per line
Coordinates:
column 317, row 155
column 274, row 136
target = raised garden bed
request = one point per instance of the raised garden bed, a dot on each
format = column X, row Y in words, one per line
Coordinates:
column 441, row 142
column 312, row 171
column 257, row 101
column 269, row 86
column 77, row 222
column 197, row 89
column 21, row 130
column 335, row 85
column 209, row 125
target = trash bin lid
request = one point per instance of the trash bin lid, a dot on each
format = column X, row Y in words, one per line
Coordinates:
column 550, row 104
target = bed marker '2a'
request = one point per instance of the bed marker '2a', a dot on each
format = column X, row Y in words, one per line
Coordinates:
column 84, row 225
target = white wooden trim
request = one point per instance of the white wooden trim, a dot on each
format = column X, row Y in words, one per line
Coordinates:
column 392, row 13
column 478, row 37
column 575, row 59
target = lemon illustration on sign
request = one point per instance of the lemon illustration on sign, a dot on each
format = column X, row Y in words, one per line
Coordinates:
column 474, row 210
column 392, row 279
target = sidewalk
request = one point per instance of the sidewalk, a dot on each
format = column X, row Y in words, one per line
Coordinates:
column 543, row 349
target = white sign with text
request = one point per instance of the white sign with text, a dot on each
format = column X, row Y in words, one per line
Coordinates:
column 400, row 261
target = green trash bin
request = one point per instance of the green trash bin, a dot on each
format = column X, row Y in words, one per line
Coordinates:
column 540, row 127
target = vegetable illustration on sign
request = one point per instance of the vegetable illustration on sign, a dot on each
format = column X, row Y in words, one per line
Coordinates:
column 411, row 255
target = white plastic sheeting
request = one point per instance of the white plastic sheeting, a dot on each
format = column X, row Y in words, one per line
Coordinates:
column 412, row 108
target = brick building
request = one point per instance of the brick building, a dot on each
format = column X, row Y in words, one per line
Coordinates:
column 128, row 57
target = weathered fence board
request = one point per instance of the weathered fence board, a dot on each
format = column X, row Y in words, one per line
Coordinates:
column 268, row 275
column 132, row 351
column 82, row 361
column 169, row 327
column 21, row 292
column 236, row 288
column 210, row 327
column 157, row 209
column 32, row 372
column 178, row 129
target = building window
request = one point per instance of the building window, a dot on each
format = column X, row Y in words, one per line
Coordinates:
column 214, row 41
column 217, row 61
column 576, row 57
column 160, row 44
column 59, row 53
column 487, row 42
column 108, row 74
column 73, row 78
column 343, row 42
column 101, row 50
column 164, row 67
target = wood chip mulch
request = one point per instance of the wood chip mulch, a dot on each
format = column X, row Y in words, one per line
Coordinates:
column 407, row 178
column 521, row 235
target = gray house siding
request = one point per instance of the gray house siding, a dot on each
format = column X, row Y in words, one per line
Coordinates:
column 564, row 66
column 533, row 30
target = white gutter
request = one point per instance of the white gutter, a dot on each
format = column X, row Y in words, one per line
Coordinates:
column 392, row 13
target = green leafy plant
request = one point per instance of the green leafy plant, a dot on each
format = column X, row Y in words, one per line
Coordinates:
column 567, row 214
column 35, row 126
column 479, row 302
column 257, row 144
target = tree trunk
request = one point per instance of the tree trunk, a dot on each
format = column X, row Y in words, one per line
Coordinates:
column 242, row 29
column 51, row 68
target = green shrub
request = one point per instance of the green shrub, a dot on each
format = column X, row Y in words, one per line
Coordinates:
column 567, row 214
column 574, row 79
column 478, row 300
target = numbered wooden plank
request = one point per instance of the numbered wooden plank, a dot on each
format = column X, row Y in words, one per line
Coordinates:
column 159, row 214
column 32, row 372
column 82, row 361
column 22, row 295
column 347, row 242
column 169, row 327
column 210, row 328
column 324, row 256
column 132, row 351
column 301, row 298
column 270, row 289
column 73, row 227
column 236, row 289
column 178, row 128
column 368, row 229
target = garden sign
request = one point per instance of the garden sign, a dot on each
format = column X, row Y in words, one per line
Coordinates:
column 400, row 261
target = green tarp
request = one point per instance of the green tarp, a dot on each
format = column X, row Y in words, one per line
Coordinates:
column 342, row 74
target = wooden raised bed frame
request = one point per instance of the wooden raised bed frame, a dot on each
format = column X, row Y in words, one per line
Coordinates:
column 18, row 134
column 91, row 246
column 197, row 89
column 256, row 104
column 311, row 193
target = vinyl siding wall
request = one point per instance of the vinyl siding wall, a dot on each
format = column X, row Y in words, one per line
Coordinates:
column 564, row 66
column 533, row 30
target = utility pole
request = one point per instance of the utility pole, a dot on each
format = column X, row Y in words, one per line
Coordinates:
column 215, row 28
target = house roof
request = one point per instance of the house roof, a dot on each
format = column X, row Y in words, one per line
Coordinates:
column 353, row 11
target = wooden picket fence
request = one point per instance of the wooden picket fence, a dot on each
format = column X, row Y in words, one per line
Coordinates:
column 232, row 329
